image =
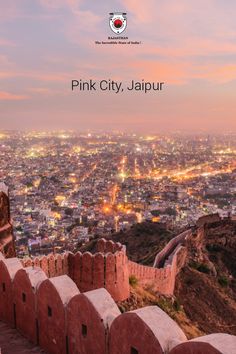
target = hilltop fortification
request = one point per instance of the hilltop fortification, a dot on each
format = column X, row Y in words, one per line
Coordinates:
column 66, row 303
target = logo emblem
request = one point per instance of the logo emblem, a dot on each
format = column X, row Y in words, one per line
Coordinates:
column 118, row 22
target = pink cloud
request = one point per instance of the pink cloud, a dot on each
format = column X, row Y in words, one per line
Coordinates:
column 7, row 96
column 143, row 10
column 36, row 75
column 6, row 43
column 57, row 4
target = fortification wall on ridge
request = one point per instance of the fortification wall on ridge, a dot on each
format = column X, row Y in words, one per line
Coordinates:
column 168, row 262
column 170, row 248
column 107, row 268
column 160, row 279
column 52, row 265
column 208, row 219
column 64, row 321
column 110, row 268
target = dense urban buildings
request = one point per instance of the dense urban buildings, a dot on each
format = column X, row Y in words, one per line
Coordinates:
column 67, row 187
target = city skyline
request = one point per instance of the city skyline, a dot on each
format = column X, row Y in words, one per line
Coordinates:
column 46, row 44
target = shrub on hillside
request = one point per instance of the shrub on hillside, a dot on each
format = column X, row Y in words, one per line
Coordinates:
column 200, row 267
column 133, row 281
column 223, row 281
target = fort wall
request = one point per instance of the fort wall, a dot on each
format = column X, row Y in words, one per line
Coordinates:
column 107, row 268
column 52, row 313
column 167, row 264
column 110, row 268
column 170, row 248
column 52, row 265
column 208, row 219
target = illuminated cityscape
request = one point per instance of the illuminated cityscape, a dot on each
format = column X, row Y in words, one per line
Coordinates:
column 69, row 187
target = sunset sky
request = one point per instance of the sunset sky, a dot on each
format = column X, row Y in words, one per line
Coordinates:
column 190, row 45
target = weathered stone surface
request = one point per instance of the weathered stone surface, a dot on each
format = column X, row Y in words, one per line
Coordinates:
column 152, row 332
column 218, row 343
column 44, row 265
column 89, row 317
column 110, row 272
column 52, row 297
column 24, row 288
column 6, row 231
column 101, row 245
column 77, row 268
column 86, row 272
column 52, row 265
column 8, row 269
column 59, row 265
column 98, row 271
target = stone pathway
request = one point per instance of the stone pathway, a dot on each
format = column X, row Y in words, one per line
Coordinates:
column 11, row 342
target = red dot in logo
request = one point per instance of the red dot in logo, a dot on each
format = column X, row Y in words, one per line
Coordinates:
column 118, row 23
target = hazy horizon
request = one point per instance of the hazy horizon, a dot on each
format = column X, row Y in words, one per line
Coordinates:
column 119, row 132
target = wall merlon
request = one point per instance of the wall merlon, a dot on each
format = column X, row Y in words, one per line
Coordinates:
column 59, row 317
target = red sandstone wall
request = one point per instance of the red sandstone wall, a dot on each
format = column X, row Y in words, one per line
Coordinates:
column 169, row 248
column 106, row 246
column 50, row 312
column 208, row 219
column 110, row 267
column 163, row 279
column 108, row 270
column 24, row 292
column 8, row 269
column 52, row 265
column 66, row 322
column 88, row 329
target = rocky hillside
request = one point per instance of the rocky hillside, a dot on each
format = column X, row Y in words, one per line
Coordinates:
column 206, row 286
column 143, row 241
column 205, row 292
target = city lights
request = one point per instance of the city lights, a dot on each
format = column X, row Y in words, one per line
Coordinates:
column 69, row 187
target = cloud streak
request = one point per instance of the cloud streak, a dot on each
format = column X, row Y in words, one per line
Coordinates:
column 7, row 96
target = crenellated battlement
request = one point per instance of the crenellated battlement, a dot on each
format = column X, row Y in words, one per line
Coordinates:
column 53, row 265
column 54, row 314
column 108, row 246
column 101, row 270
column 167, row 264
column 110, row 267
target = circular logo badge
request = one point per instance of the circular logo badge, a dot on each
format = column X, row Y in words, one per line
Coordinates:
column 118, row 22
